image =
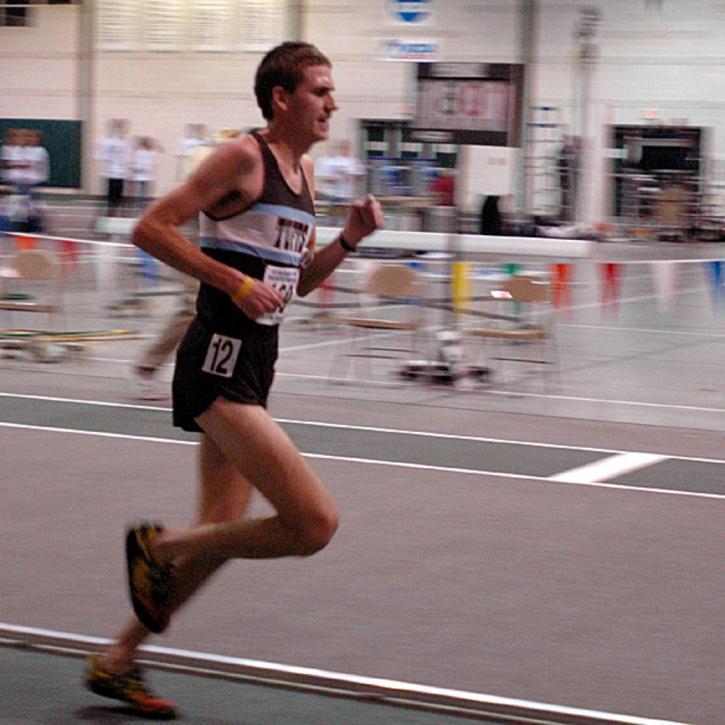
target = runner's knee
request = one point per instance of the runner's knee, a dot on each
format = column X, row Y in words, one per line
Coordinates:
column 316, row 531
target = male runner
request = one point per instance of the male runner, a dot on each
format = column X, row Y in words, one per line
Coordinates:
column 257, row 226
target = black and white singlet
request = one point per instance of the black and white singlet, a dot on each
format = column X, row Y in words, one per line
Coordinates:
column 224, row 353
column 268, row 240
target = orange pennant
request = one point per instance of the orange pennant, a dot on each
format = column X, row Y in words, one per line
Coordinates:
column 24, row 241
column 561, row 289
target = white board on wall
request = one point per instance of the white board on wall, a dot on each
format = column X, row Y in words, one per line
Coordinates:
column 484, row 171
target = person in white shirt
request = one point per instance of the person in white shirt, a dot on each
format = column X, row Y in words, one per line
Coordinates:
column 26, row 166
column 145, row 160
column 114, row 153
column 37, row 170
column 195, row 136
column 10, row 156
column 339, row 175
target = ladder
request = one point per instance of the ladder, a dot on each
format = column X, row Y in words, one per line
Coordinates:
column 544, row 139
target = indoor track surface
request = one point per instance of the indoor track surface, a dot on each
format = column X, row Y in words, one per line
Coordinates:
column 533, row 546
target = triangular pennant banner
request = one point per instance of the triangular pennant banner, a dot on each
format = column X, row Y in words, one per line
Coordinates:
column 716, row 280
column 611, row 277
column 561, row 288
column 664, row 274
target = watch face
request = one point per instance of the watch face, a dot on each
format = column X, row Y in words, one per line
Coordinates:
column 410, row 11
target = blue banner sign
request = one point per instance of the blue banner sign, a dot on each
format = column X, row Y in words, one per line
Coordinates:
column 411, row 11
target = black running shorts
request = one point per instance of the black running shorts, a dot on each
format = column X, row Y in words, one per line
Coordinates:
column 210, row 364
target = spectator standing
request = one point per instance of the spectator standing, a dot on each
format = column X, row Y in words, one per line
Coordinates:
column 338, row 178
column 37, row 170
column 145, row 163
column 10, row 157
column 194, row 137
column 114, row 154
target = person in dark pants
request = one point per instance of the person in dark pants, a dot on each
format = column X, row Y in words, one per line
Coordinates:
column 490, row 221
column 114, row 154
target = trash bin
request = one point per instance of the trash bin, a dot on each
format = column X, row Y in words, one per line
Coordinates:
column 440, row 219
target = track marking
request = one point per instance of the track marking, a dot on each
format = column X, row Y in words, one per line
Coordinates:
column 606, row 468
column 367, row 428
column 315, row 677
column 82, row 401
column 580, row 399
column 511, row 393
column 99, row 434
column 379, row 462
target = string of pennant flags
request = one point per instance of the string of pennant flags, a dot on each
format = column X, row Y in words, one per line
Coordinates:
column 664, row 278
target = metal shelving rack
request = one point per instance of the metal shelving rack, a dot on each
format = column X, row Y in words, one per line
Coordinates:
column 544, row 140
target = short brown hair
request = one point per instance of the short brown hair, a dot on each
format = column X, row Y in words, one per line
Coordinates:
column 284, row 66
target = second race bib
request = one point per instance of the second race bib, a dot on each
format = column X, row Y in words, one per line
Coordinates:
column 284, row 280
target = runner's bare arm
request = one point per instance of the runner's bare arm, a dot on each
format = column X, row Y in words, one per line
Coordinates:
column 231, row 168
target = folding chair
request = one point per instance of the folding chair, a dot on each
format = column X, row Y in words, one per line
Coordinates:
column 28, row 270
column 386, row 284
column 533, row 323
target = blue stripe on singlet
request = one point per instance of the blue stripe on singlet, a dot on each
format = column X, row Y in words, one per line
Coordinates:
column 285, row 212
column 268, row 254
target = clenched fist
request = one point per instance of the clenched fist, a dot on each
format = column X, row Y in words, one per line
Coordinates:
column 363, row 218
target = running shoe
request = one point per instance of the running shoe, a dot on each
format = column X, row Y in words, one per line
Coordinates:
column 145, row 386
column 148, row 580
column 130, row 688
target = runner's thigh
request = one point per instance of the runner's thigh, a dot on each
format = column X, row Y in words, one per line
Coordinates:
column 263, row 453
column 224, row 492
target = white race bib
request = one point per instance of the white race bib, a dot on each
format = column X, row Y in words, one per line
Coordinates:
column 221, row 355
column 284, row 280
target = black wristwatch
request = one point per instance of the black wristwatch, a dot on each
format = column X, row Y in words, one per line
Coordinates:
column 344, row 243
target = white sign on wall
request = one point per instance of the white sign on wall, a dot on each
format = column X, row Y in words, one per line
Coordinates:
column 416, row 49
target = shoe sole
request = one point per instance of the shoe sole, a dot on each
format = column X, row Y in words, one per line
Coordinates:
column 165, row 714
column 98, row 688
column 142, row 606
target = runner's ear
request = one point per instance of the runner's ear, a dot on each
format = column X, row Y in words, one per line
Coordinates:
column 279, row 98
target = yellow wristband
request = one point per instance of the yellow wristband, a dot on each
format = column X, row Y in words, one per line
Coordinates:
column 244, row 289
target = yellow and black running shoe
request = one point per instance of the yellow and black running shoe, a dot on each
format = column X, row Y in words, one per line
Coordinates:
column 129, row 688
column 148, row 580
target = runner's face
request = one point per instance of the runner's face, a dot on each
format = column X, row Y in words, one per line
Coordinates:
column 312, row 104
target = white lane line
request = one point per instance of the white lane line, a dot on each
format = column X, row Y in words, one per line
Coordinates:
column 99, row 434
column 326, row 678
column 632, row 403
column 509, row 394
column 648, row 330
column 368, row 428
column 608, row 468
column 82, row 401
column 379, row 462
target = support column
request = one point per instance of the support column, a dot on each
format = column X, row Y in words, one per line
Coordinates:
column 84, row 93
column 586, row 58
column 296, row 10
column 527, row 27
